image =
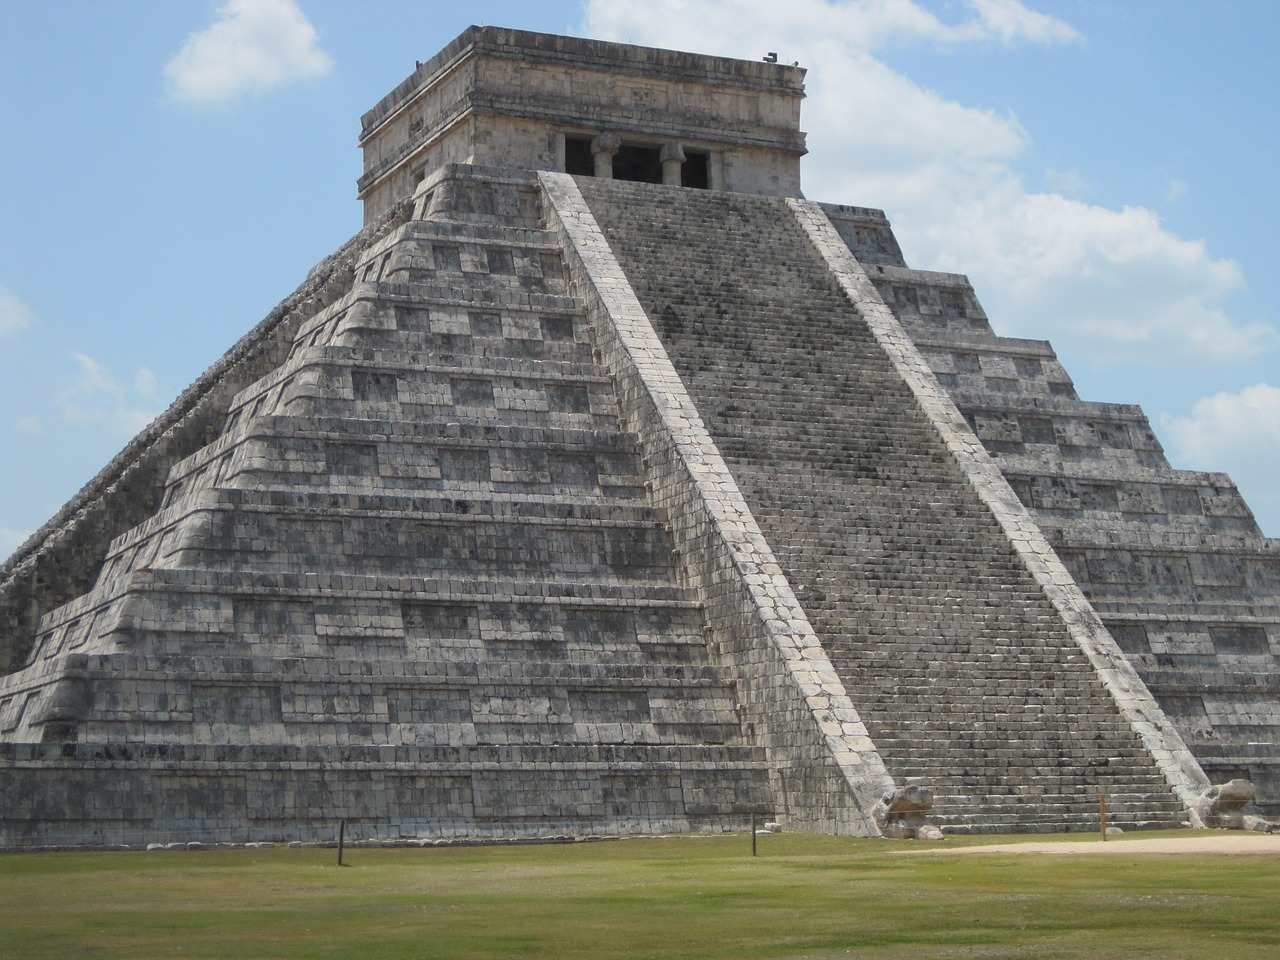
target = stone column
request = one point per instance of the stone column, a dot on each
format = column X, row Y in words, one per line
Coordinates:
column 603, row 148
column 672, row 157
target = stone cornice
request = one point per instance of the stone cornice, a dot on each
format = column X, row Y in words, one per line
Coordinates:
column 612, row 58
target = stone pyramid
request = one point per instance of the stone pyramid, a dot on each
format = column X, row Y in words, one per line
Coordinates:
column 603, row 485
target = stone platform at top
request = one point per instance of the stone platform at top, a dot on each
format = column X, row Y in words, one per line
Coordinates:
column 538, row 102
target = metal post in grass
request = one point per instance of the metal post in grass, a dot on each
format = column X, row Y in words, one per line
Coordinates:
column 1102, row 815
column 342, row 838
column 753, row 834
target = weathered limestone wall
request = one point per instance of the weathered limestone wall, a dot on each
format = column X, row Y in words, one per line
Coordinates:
column 439, row 129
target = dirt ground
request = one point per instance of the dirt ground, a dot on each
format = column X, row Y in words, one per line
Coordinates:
column 1227, row 842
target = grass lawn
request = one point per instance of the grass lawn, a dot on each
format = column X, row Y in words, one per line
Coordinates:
column 804, row 896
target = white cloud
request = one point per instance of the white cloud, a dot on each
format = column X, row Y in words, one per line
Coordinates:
column 1113, row 283
column 144, row 382
column 1010, row 20
column 1246, row 423
column 14, row 314
column 1235, row 432
column 722, row 26
column 97, row 399
column 11, row 540
column 1067, row 182
column 254, row 45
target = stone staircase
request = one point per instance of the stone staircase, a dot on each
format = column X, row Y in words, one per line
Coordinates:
column 416, row 582
column 956, row 661
column 1172, row 560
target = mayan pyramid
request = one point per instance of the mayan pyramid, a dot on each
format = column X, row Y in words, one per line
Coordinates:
column 603, row 484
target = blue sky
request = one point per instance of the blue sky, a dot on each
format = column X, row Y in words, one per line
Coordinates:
column 1102, row 170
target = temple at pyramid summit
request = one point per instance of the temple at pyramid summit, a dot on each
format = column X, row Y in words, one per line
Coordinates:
column 603, row 484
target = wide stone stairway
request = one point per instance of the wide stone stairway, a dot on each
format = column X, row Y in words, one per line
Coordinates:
column 416, row 583
column 966, row 678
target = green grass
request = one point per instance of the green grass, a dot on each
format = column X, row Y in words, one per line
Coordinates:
column 804, row 896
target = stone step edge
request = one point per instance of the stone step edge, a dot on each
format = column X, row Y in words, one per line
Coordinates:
column 340, row 586
column 224, row 669
column 416, row 759
column 345, row 359
column 379, row 293
column 632, row 514
column 1079, row 535
column 455, row 432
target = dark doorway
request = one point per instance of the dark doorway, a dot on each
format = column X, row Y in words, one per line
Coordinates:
column 577, row 156
column 642, row 164
column 696, row 170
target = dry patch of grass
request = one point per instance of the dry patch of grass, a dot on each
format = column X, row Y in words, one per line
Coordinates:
column 803, row 897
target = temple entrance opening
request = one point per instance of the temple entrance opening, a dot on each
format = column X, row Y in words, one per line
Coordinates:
column 696, row 170
column 640, row 164
column 577, row 157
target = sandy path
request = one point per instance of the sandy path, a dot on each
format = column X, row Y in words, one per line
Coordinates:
column 1231, row 843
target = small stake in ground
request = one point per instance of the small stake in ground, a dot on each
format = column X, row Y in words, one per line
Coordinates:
column 1102, row 814
column 753, row 834
column 342, row 837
